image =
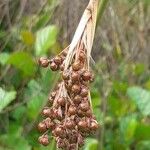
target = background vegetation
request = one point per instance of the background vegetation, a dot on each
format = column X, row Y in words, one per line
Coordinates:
column 120, row 92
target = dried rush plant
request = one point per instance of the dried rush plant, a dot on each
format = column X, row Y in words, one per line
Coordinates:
column 69, row 113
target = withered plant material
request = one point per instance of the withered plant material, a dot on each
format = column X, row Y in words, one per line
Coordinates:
column 69, row 113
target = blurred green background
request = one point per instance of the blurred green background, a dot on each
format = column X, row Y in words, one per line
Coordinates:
column 121, row 90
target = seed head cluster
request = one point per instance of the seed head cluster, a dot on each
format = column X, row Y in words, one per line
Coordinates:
column 68, row 114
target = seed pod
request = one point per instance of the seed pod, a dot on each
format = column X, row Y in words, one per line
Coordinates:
column 92, row 78
column 65, row 75
column 59, row 113
column 81, row 113
column 94, row 125
column 70, row 124
column 49, row 123
column 61, row 101
column 68, row 85
column 72, row 110
column 77, row 99
column 76, row 66
column 53, row 94
column 58, row 60
column 82, row 56
column 46, row 111
column 55, row 113
column 88, row 113
column 76, row 89
column 73, row 137
column 44, row 62
column 44, row 140
column 50, row 100
column 77, row 119
column 80, row 140
column 84, row 106
column 86, row 76
column 62, row 67
column 72, row 146
column 52, row 114
column 61, row 143
column 84, row 92
column 53, row 66
column 82, row 124
column 75, row 76
column 42, row 127
column 58, row 131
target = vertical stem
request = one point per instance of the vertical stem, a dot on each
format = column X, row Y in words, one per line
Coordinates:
column 104, row 110
column 101, row 9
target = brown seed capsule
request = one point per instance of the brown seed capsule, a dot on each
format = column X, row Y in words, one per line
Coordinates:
column 58, row 60
column 65, row 75
column 61, row 143
column 94, row 125
column 53, row 66
column 81, row 113
column 70, row 124
column 44, row 62
column 80, row 140
column 72, row 110
column 68, row 85
column 75, row 76
column 42, row 127
column 77, row 99
column 58, row 131
column 84, row 106
column 43, row 140
column 82, row 124
column 61, row 101
column 50, row 100
column 76, row 89
column 86, row 76
column 53, row 94
column 46, row 111
column 73, row 137
column 82, row 56
column 52, row 114
column 62, row 67
column 76, row 66
column 59, row 113
column 88, row 113
column 92, row 78
column 84, row 92
column 49, row 123
column 72, row 147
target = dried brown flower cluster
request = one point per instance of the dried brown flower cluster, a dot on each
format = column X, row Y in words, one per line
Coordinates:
column 68, row 113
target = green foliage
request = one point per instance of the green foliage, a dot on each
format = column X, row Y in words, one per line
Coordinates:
column 36, row 99
column 27, row 37
column 128, row 126
column 142, row 99
column 45, row 39
column 24, row 62
column 4, row 58
column 6, row 98
column 142, row 132
column 91, row 144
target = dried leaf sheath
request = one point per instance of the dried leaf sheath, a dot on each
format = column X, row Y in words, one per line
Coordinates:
column 85, row 31
column 69, row 112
